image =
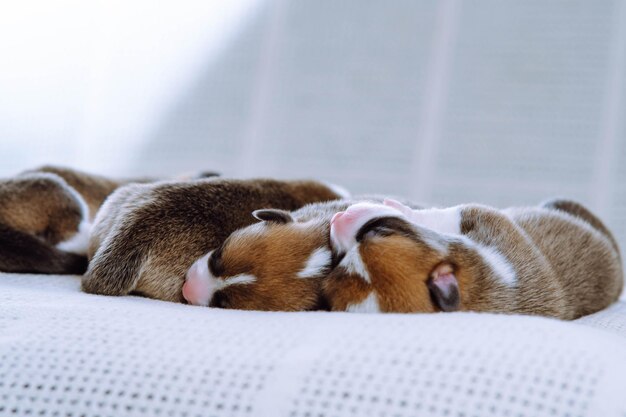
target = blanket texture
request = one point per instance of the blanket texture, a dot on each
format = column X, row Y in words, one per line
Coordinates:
column 66, row 353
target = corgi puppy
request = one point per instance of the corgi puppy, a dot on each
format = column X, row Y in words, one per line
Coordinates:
column 45, row 219
column 93, row 189
column 146, row 236
column 278, row 263
column 556, row 260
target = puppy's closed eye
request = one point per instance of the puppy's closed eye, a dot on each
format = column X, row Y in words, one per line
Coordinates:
column 216, row 266
column 384, row 226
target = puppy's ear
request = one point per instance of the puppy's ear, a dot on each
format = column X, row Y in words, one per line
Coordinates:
column 444, row 287
column 273, row 215
column 395, row 204
column 207, row 174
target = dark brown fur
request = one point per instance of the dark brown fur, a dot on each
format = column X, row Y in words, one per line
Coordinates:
column 147, row 236
column 42, row 207
column 37, row 211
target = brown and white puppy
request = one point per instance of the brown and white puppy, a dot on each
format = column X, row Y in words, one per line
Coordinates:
column 276, row 264
column 94, row 189
column 146, row 236
column 46, row 216
column 44, row 225
column 555, row 260
column 45, row 219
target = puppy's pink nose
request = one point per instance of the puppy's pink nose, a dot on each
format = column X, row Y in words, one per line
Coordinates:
column 197, row 286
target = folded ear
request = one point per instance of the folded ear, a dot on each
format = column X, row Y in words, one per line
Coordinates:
column 273, row 215
column 444, row 287
column 395, row 204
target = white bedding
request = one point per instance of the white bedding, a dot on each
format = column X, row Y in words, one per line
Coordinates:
column 65, row 353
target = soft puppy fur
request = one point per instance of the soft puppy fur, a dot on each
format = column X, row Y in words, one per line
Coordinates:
column 556, row 260
column 45, row 218
column 94, row 189
column 277, row 263
column 46, row 215
column 146, row 236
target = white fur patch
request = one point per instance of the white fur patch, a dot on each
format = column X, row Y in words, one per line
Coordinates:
column 353, row 264
column 234, row 280
column 499, row 264
column 317, row 263
column 369, row 305
column 79, row 242
column 447, row 220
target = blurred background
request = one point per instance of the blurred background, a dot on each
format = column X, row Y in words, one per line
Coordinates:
column 496, row 101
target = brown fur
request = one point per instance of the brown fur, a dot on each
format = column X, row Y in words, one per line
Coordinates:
column 37, row 211
column 147, row 235
column 395, row 283
column 566, row 262
column 275, row 253
column 42, row 207
column 93, row 188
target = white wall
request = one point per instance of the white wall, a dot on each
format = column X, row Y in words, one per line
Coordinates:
column 86, row 83
column 498, row 101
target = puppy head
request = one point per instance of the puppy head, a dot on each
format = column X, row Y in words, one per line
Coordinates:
column 276, row 264
column 388, row 264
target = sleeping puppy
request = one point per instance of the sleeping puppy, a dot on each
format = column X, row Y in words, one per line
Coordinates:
column 45, row 219
column 555, row 260
column 146, row 236
column 94, row 189
column 276, row 264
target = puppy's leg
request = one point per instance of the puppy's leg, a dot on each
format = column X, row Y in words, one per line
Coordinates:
column 114, row 209
column 116, row 248
column 114, row 268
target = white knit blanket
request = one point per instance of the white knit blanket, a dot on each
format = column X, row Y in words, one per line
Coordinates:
column 65, row 353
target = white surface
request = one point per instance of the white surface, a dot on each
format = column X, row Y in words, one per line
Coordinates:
column 76, row 67
column 64, row 353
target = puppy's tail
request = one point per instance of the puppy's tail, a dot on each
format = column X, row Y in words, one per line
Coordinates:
column 25, row 253
column 580, row 211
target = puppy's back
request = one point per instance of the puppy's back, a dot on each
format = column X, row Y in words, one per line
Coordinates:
column 582, row 252
column 578, row 210
column 93, row 188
